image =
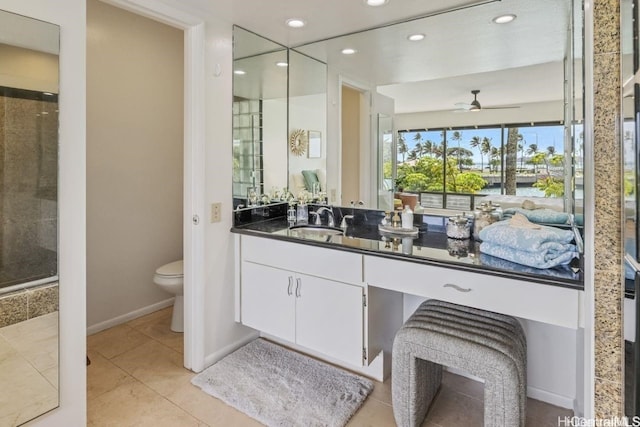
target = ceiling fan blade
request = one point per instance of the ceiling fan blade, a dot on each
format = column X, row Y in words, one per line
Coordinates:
column 506, row 107
column 463, row 105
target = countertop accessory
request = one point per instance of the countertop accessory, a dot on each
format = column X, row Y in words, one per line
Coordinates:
column 396, row 222
column 484, row 217
column 458, row 227
column 302, row 213
column 385, row 229
column 407, row 218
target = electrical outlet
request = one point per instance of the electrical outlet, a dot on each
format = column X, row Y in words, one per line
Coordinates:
column 216, row 209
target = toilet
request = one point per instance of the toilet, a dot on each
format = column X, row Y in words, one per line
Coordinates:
column 170, row 279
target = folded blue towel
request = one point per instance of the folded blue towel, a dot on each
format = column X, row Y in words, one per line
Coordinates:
column 561, row 271
column 548, row 216
column 546, row 258
column 524, row 243
column 542, row 238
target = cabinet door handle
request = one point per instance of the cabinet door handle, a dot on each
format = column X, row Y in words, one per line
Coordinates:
column 457, row 288
column 298, row 287
column 290, row 287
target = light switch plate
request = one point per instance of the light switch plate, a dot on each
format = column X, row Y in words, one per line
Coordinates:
column 216, row 211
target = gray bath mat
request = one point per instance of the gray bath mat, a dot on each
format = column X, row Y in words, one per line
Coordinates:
column 279, row 387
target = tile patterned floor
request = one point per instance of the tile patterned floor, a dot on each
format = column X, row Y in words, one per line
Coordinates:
column 136, row 379
column 28, row 369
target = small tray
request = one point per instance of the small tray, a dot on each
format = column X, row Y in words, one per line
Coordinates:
column 398, row 231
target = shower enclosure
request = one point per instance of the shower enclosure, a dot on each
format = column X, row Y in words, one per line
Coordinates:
column 28, row 187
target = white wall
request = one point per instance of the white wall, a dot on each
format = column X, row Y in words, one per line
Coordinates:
column 221, row 334
column 274, row 143
column 70, row 16
column 134, row 161
column 308, row 112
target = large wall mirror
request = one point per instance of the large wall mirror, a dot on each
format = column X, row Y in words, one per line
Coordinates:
column 260, row 79
column 526, row 75
column 29, row 218
column 473, row 107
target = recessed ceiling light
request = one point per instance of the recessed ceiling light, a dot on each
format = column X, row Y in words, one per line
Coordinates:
column 282, row 64
column 504, row 19
column 416, row 37
column 348, row 51
column 376, row 2
column 240, row 72
column 295, row 23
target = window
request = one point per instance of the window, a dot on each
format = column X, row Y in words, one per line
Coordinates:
column 450, row 168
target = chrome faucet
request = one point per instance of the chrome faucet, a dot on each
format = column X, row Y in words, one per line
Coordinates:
column 343, row 224
column 331, row 222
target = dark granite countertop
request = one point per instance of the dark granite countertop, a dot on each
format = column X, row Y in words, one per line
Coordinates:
column 431, row 246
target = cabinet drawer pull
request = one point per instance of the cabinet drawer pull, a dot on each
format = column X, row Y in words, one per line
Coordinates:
column 457, row 288
column 298, row 287
column 290, row 287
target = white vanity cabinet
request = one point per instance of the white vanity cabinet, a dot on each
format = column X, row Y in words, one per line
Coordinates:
column 528, row 300
column 316, row 313
column 309, row 296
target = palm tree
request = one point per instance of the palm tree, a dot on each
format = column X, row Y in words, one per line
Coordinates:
column 533, row 149
column 418, row 149
column 457, row 136
column 417, row 138
column 476, row 142
column 521, row 151
column 427, row 147
column 438, row 150
column 494, row 155
column 402, row 147
column 551, row 150
column 486, row 147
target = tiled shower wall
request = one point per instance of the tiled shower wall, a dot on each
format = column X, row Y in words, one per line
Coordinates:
column 26, row 304
column 608, row 289
column 28, row 185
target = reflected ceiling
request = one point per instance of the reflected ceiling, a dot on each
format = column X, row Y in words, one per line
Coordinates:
column 511, row 64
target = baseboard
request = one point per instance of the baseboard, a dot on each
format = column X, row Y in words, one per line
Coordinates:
column 129, row 316
column 212, row 358
column 532, row 392
column 551, row 398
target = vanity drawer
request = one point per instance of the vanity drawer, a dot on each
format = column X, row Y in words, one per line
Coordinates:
column 326, row 263
column 529, row 300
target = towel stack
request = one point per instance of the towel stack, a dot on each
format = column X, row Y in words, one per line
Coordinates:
column 520, row 241
column 548, row 216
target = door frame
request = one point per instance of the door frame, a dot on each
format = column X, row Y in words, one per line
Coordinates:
column 366, row 151
column 194, row 167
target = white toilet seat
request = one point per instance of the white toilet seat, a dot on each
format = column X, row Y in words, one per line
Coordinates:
column 173, row 269
column 170, row 278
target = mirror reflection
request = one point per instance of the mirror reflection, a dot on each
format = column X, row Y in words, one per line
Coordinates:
column 259, row 116
column 307, row 118
column 478, row 108
column 28, row 202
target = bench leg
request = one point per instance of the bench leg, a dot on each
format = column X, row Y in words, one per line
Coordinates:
column 414, row 384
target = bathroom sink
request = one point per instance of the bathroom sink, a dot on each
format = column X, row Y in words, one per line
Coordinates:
column 310, row 230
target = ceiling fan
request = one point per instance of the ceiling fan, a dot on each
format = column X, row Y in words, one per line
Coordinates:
column 475, row 105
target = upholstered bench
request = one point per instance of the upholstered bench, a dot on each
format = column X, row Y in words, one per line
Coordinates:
column 488, row 345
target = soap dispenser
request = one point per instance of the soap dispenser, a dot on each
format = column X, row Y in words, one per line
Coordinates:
column 396, row 222
column 407, row 218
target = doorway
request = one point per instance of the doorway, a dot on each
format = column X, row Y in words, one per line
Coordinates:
column 192, row 203
column 352, row 137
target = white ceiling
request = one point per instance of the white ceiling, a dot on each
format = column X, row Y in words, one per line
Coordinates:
column 511, row 64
